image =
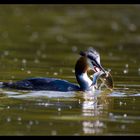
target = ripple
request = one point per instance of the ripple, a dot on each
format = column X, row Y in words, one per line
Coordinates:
column 128, row 85
column 36, row 94
column 117, row 94
column 121, row 94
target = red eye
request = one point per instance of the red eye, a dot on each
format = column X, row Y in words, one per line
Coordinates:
column 95, row 69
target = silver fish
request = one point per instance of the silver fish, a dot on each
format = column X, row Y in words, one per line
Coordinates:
column 106, row 80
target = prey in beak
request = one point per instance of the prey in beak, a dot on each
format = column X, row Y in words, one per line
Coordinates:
column 106, row 80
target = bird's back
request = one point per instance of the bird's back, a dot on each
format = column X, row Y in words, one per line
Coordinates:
column 51, row 84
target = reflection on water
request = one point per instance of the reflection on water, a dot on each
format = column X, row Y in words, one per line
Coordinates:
column 92, row 108
column 95, row 107
column 97, row 113
column 89, row 105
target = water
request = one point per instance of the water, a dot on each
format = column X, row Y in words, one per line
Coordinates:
column 44, row 41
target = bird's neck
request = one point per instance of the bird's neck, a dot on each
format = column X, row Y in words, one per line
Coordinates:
column 81, row 69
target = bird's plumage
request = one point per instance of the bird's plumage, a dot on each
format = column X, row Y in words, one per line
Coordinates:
column 51, row 84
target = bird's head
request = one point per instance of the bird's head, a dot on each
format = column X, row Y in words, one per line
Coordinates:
column 93, row 58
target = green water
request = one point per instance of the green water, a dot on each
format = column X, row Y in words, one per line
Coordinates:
column 44, row 41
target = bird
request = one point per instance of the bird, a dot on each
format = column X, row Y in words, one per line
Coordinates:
column 88, row 60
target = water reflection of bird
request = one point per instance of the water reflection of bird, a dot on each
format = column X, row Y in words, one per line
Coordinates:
column 89, row 59
column 92, row 108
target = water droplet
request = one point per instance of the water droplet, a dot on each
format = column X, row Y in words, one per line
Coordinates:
column 125, row 103
column 73, row 71
column 134, row 99
column 76, row 134
column 36, row 122
column 59, row 109
column 21, row 107
column 99, row 124
column 70, row 107
column 29, row 72
column 15, row 60
column 139, row 71
column 121, row 103
column 46, row 104
column 126, row 65
column 36, row 61
column 79, row 101
column 111, row 114
column 8, row 119
column 114, row 26
column 6, row 53
column 123, row 127
column 30, row 122
column 8, row 107
column 13, row 77
column 24, row 61
column 47, row 72
column 19, row 118
column 55, row 73
column 125, row 115
column 125, row 71
column 43, row 56
column 34, row 36
column 53, row 132
column 132, row 27
column 22, row 69
column 50, row 123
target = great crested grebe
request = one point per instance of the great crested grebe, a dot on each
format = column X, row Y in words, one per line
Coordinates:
column 89, row 59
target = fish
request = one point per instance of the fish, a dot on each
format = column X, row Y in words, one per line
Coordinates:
column 105, row 78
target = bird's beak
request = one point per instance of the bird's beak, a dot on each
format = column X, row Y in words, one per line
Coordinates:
column 95, row 63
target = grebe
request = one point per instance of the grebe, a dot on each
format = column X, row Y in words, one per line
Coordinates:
column 89, row 60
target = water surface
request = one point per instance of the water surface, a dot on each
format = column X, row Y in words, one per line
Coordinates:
column 44, row 41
